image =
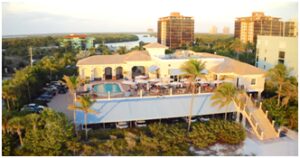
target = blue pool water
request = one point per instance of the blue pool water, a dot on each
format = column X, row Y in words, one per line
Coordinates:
column 107, row 87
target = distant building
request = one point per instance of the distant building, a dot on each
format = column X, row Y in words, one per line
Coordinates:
column 247, row 28
column 226, row 30
column 175, row 30
column 79, row 41
column 150, row 30
column 290, row 28
column 213, row 30
column 271, row 50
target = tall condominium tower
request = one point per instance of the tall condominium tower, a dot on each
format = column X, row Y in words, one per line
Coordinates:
column 175, row 30
column 247, row 28
column 213, row 30
column 226, row 30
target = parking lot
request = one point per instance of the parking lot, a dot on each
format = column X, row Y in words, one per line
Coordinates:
column 60, row 103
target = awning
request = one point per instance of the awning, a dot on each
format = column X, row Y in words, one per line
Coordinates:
column 175, row 72
column 153, row 68
column 204, row 71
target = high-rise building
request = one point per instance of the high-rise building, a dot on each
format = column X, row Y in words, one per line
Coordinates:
column 290, row 28
column 175, row 30
column 213, row 30
column 226, row 30
column 247, row 28
column 273, row 50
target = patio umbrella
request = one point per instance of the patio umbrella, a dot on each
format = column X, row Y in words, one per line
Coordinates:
column 160, row 84
column 141, row 81
column 175, row 84
column 140, row 77
column 216, row 81
column 154, row 80
column 128, row 82
column 203, row 82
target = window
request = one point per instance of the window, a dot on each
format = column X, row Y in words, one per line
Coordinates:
column 264, row 67
column 281, row 54
column 265, row 59
column 280, row 61
column 253, row 81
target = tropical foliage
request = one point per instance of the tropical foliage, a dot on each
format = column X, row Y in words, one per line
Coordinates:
column 45, row 134
column 162, row 139
column 225, row 94
column 192, row 69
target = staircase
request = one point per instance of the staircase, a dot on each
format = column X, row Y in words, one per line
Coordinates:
column 261, row 125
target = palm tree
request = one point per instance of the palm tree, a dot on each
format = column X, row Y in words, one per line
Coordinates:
column 277, row 77
column 85, row 106
column 289, row 92
column 8, row 93
column 73, row 83
column 238, row 47
column 192, row 69
column 224, row 95
column 49, row 64
column 16, row 124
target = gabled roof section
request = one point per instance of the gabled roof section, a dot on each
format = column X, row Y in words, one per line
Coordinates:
column 137, row 56
column 155, row 45
column 102, row 59
column 237, row 67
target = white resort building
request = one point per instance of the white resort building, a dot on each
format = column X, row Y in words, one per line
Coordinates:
column 147, row 85
column 154, row 63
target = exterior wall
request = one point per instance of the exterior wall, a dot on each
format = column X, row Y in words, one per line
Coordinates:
column 245, row 80
column 268, row 48
column 156, row 51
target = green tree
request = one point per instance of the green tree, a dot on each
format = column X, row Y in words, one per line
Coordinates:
column 225, row 94
column 278, row 77
column 73, row 84
column 48, row 136
column 122, row 50
column 238, row 47
column 192, row 69
column 8, row 93
column 85, row 106
column 49, row 64
column 16, row 125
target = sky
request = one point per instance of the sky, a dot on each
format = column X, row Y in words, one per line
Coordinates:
column 73, row 16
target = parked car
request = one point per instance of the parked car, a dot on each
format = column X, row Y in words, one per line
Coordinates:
column 193, row 119
column 203, row 119
column 44, row 98
column 62, row 90
column 33, row 107
column 140, row 123
column 122, row 125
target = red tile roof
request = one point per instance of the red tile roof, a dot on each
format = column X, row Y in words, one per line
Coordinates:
column 76, row 36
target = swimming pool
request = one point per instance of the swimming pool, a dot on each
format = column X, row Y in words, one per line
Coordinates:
column 107, row 87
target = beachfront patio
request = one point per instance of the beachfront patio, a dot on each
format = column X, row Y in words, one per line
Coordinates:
column 143, row 87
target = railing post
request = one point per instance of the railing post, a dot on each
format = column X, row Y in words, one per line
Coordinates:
column 108, row 95
column 273, row 123
column 278, row 134
column 260, row 105
column 199, row 90
column 262, row 136
column 171, row 92
column 250, row 96
column 267, row 113
column 141, row 93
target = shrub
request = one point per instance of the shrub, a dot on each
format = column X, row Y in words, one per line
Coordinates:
column 201, row 136
column 227, row 132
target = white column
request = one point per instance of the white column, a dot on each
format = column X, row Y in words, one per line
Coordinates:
column 244, row 121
